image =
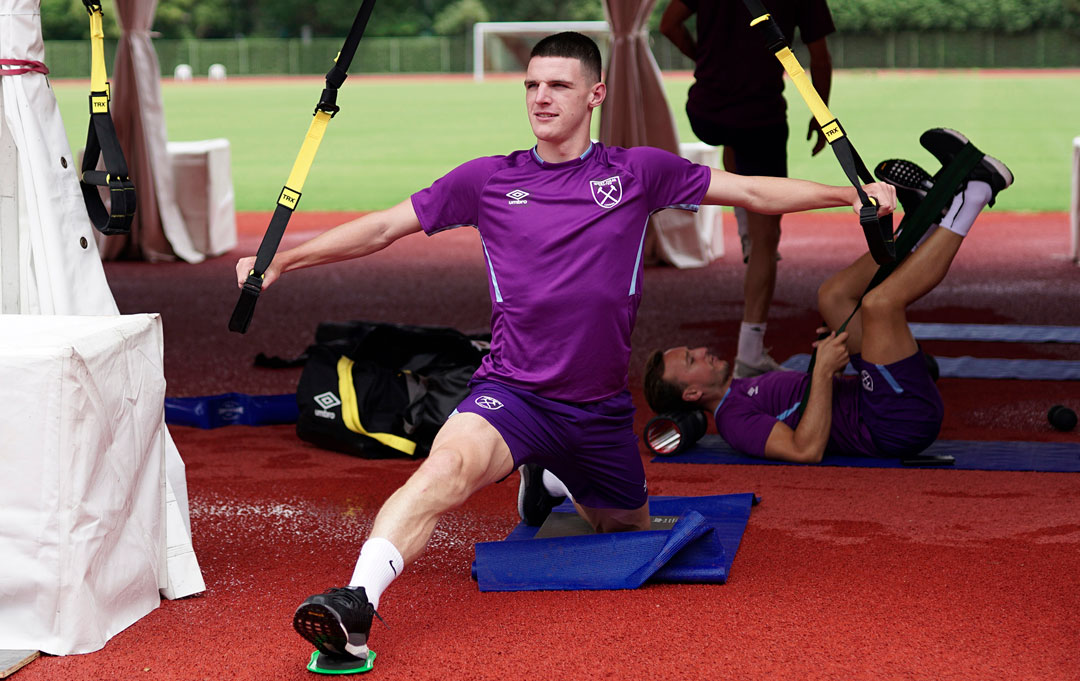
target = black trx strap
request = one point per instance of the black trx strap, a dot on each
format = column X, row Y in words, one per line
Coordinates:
column 290, row 193
column 878, row 230
column 101, row 142
column 913, row 227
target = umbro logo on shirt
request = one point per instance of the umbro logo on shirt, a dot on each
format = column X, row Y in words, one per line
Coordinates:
column 752, row 391
column 517, row 197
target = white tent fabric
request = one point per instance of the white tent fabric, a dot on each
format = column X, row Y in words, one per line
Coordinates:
column 636, row 113
column 158, row 231
column 82, row 478
column 49, row 262
column 59, row 270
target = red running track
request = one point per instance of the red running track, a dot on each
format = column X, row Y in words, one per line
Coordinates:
column 842, row 574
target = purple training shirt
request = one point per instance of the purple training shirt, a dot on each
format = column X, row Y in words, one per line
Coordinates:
column 752, row 406
column 563, row 244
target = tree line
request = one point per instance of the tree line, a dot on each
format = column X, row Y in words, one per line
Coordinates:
column 67, row 19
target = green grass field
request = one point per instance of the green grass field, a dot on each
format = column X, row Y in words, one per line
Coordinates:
column 394, row 136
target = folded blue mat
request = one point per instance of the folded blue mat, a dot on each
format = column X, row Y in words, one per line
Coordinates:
column 699, row 548
column 972, row 455
column 981, row 367
column 1008, row 333
column 231, row 409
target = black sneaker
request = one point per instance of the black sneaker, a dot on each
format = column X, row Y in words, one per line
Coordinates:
column 911, row 182
column 945, row 144
column 534, row 501
column 337, row 622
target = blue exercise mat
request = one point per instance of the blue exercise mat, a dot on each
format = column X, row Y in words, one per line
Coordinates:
column 972, row 455
column 981, row 367
column 231, row 409
column 1008, row 333
column 699, row 548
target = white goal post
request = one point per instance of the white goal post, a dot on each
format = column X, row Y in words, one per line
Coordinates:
column 1074, row 208
column 539, row 28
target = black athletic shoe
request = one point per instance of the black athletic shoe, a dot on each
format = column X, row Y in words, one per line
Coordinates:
column 337, row 622
column 945, row 144
column 911, row 182
column 534, row 501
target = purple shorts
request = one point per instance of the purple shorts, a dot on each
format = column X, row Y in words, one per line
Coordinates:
column 590, row 447
column 899, row 404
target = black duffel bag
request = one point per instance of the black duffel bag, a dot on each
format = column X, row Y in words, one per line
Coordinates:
column 380, row 390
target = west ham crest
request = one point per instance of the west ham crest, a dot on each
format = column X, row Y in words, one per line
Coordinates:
column 607, row 193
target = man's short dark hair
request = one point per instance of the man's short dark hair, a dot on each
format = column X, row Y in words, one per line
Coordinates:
column 663, row 396
column 574, row 46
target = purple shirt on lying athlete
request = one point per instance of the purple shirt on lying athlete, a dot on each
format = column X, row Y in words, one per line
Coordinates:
column 752, row 406
column 563, row 245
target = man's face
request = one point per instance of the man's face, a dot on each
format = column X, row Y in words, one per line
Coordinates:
column 559, row 97
column 695, row 368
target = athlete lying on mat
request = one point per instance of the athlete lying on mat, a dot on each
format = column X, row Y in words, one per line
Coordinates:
column 561, row 226
column 892, row 407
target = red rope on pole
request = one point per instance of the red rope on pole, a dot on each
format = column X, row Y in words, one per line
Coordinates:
column 17, row 67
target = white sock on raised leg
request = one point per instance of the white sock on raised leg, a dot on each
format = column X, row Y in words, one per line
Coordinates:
column 966, row 206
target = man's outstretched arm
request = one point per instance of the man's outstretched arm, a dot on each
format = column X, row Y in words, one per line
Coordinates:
column 366, row 234
column 779, row 195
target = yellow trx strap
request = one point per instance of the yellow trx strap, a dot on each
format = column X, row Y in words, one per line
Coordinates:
column 98, row 80
column 350, row 411
column 101, row 143
column 878, row 231
column 290, row 193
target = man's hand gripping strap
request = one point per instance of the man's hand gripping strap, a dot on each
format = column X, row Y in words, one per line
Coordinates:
column 290, row 193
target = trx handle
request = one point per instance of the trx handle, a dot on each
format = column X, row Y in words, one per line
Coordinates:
column 101, row 143
column 289, row 197
column 877, row 230
column 912, row 228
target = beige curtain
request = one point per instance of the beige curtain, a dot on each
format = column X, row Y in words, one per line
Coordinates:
column 158, row 231
column 636, row 113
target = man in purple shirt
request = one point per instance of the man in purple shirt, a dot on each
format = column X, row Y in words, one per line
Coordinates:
column 891, row 408
column 737, row 102
column 562, row 226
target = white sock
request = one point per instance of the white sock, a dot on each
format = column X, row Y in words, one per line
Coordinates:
column 555, row 487
column 751, row 342
column 379, row 563
column 966, row 206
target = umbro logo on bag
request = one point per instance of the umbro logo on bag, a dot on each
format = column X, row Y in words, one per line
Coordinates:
column 326, row 400
column 517, row 197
